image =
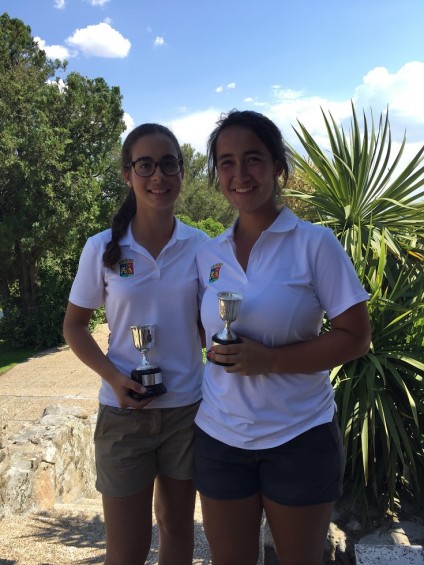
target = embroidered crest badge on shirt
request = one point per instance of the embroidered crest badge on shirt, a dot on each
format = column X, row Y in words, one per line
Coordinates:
column 214, row 274
column 126, row 268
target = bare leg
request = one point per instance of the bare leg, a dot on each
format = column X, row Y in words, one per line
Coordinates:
column 174, row 509
column 299, row 532
column 232, row 529
column 128, row 521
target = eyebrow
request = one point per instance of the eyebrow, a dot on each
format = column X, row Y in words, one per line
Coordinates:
column 149, row 158
column 245, row 154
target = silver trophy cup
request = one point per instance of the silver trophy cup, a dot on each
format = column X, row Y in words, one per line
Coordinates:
column 229, row 306
column 147, row 374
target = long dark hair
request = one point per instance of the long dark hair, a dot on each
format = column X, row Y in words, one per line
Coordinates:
column 127, row 211
column 263, row 128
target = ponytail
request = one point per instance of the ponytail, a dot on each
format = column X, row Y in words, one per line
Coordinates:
column 120, row 223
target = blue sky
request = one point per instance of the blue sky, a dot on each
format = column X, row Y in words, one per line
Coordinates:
column 183, row 63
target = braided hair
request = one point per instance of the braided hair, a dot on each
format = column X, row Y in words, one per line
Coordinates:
column 128, row 209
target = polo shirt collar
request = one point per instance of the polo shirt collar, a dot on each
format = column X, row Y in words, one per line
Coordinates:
column 181, row 231
column 284, row 222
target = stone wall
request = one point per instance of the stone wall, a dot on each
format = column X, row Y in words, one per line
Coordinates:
column 47, row 463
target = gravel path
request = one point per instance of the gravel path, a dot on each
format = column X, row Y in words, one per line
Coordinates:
column 72, row 533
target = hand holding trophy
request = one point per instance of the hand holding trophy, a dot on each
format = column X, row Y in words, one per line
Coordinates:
column 229, row 305
column 147, row 374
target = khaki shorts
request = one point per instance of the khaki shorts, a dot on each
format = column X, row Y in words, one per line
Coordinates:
column 133, row 446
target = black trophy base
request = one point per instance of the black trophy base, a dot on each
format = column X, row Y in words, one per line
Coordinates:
column 218, row 341
column 138, row 375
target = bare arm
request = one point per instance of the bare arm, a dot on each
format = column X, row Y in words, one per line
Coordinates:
column 85, row 347
column 348, row 339
column 201, row 332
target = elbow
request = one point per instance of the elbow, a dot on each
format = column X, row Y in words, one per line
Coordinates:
column 363, row 342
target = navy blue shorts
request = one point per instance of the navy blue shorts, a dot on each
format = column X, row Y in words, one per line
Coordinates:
column 306, row 470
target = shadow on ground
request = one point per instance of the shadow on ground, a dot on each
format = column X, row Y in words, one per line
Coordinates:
column 80, row 531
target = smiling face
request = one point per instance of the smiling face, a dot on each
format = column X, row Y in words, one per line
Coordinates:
column 159, row 191
column 246, row 171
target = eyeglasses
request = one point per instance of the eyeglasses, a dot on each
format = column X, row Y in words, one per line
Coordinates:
column 170, row 166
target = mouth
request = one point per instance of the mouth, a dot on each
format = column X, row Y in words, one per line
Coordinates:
column 242, row 190
column 158, row 190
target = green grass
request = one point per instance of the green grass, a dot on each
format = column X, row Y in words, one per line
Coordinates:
column 11, row 356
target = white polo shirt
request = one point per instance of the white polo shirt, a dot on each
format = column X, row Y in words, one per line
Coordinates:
column 296, row 272
column 142, row 290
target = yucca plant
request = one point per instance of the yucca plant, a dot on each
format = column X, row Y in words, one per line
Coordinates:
column 377, row 212
column 359, row 184
column 379, row 396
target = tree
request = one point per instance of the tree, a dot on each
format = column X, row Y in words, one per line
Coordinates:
column 198, row 200
column 58, row 146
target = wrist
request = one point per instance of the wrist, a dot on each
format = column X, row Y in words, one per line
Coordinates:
column 275, row 359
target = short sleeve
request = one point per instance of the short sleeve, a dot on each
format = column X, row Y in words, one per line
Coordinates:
column 88, row 288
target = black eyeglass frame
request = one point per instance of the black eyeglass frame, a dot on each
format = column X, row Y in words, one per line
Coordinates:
column 156, row 164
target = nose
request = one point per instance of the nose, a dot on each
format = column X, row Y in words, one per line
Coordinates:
column 157, row 173
column 241, row 171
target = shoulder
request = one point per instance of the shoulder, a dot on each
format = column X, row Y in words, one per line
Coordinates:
column 99, row 240
column 313, row 232
column 189, row 232
column 101, row 236
column 213, row 251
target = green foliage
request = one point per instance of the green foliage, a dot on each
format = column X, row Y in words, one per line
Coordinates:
column 357, row 184
column 41, row 326
column 59, row 183
column 303, row 208
column 377, row 213
column 209, row 226
column 198, row 200
column 9, row 356
column 380, row 396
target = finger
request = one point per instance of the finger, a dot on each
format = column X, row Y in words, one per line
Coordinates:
column 130, row 402
column 139, row 404
column 135, row 386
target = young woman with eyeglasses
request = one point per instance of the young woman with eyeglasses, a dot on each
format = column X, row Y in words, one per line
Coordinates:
column 143, row 271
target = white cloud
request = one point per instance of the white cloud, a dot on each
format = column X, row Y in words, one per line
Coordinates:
column 254, row 102
column 195, row 128
column 379, row 90
column 286, row 93
column 158, row 41
column 99, row 2
column 401, row 91
column 60, row 84
column 59, row 4
column 100, row 40
column 54, row 51
column 286, row 112
column 129, row 123
column 230, row 86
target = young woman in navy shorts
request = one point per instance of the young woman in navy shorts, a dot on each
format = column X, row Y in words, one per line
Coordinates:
column 267, row 438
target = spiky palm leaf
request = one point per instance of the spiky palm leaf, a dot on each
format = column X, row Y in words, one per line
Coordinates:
column 357, row 183
column 378, row 215
column 380, row 396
